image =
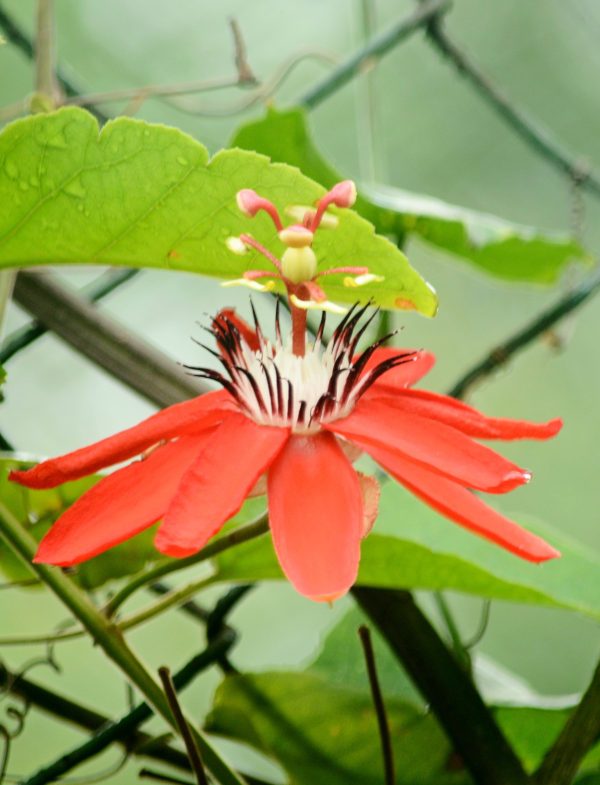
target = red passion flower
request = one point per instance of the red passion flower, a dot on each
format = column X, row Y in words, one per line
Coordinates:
column 292, row 424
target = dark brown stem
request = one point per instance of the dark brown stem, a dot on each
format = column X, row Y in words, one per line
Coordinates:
column 539, row 139
column 103, row 340
column 502, row 353
column 384, row 728
column 447, row 688
column 75, row 713
column 579, row 734
column 189, row 741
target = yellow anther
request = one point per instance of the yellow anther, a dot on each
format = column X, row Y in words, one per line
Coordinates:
column 254, row 285
column 313, row 305
column 298, row 211
column 362, row 280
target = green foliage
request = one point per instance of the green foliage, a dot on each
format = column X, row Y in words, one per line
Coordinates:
column 37, row 511
column 144, row 195
column 505, row 249
column 324, row 733
column 319, row 730
column 427, row 551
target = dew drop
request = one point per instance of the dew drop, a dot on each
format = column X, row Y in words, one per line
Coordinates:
column 181, row 160
column 80, row 208
column 75, row 189
column 34, row 181
column 23, row 185
column 58, row 141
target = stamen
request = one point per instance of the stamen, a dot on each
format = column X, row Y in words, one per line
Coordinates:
column 249, row 284
column 275, row 386
column 309, row 305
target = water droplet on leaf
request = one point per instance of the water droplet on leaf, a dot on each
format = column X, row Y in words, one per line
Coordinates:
column 58, row 141
column 11, row 170
column 76, row 189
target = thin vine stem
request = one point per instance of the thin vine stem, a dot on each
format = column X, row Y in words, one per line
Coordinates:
column 248, row 531
column 523, row 337
column 382, row 720
column 376, row 48
column 103, row 631
column 538, row 138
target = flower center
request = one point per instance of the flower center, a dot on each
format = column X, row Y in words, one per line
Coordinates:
column 274, row 385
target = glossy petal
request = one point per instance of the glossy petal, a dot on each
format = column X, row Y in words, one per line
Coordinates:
column 401, row 376
column 316, row 515
column 464, row 418
column 120, row 505
column 215, row 485
column 190, row 416
column 463, row 507
column 430, row 444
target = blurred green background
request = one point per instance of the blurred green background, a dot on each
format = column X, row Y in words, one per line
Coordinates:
column 432, row 135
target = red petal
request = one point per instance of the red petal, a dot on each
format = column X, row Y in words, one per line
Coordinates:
column 316, row 515
column 466, row 419
column 120, row 505
column 216, row 484
column 429, row 443
column 189, row 416
column 463, row 507
column 401, row 376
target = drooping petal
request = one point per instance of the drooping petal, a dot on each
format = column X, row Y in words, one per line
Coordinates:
column 186, row 417
column 464, row 418
column 463, row 507
column 120, row 505
column 215, row 485
column 431, row 444
column 401, row 376
column 316, row 515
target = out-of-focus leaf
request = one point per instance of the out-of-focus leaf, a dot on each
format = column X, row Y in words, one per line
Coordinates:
column 38, row 510
column 505, row 249
column 430, row 552
column 531, row 732
column 321, row 733
column 341, row 661
column 145, row 195
column 496, row 246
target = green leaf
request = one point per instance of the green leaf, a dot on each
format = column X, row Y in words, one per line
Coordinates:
column 499, row 247
column 145, row 195
column 427, row 551
column 321, row 733
column 531, row 721
column 37, row 510
column 496, row 246
column 531, row 732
